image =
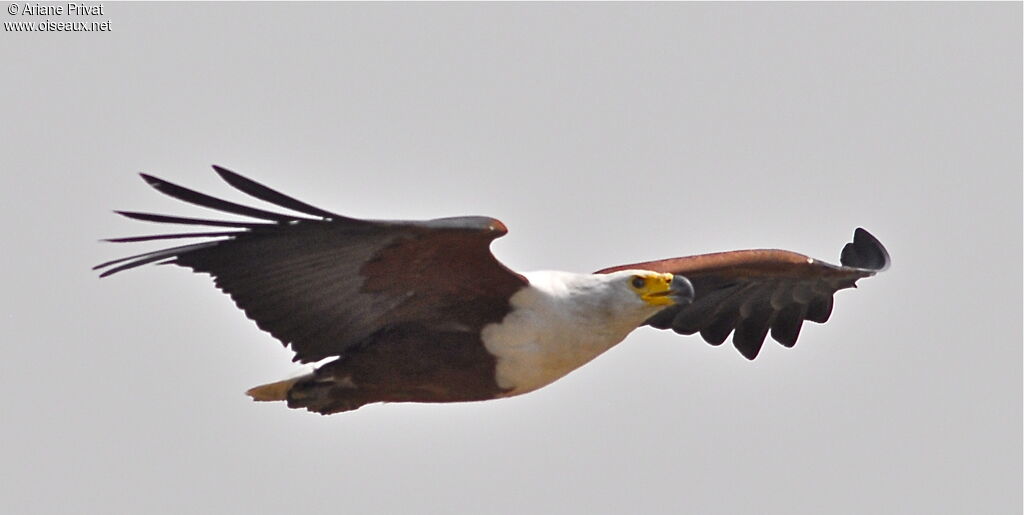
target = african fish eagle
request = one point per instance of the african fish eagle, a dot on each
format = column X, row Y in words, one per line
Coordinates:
column 421, row 311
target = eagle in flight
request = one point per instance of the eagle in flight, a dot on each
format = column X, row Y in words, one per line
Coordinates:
column 421, row 311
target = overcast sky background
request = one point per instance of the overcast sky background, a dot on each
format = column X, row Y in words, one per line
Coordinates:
column 601, row 135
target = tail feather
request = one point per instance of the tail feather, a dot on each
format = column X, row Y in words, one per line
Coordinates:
column 318, row 395
column 273, row 391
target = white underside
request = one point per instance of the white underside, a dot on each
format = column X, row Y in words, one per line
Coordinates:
column 557, row 324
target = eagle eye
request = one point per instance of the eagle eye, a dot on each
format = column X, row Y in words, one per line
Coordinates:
column 639, row 282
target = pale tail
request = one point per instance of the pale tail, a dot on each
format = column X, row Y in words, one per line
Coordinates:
column 272, row 391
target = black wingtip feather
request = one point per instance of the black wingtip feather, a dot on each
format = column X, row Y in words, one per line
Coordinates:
column 787, row 323
column 149, row 257
column 865, row 252
column 132, row 239
column 201, row 199
column 257, row 190
column 719, row 330
column 278, row 221
column 166, row 219
column 151, row 180
column 752, row 330
column 820, row 309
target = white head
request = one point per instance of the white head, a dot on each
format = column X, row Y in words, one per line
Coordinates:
column 627, row 297
column 643, row 292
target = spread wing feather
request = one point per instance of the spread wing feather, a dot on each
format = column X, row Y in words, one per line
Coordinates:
column 327, row 284
column 753, row 293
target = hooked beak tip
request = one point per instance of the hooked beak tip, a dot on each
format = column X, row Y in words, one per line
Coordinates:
column 682, row 290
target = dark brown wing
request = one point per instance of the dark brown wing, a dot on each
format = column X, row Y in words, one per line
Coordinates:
column 752, row 292
column 327, row 283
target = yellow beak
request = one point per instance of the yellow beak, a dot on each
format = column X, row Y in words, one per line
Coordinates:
column 666, row 290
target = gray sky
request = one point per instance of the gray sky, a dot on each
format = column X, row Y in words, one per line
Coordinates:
column 600, row 134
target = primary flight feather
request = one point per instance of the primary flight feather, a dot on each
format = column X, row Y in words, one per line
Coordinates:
column 421, row 311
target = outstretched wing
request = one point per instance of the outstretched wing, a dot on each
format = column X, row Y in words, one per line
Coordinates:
column 325, row 283
column 750, row 292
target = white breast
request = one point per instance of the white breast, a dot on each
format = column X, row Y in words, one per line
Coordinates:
column 558, row 323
